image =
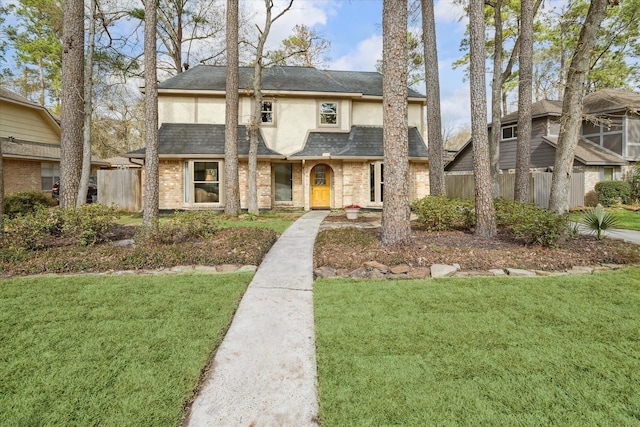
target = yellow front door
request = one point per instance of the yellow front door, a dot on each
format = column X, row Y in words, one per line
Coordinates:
column 321, row 187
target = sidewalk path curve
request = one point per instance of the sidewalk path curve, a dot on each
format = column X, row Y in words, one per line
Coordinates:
column 264, row 372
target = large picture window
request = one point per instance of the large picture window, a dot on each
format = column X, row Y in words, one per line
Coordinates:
column 49, row 173
column 328, row 113
column 376, row 182
column 606, row 133
column 202, row 181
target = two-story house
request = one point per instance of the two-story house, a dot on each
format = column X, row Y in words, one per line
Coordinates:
column 608, row 148
column 320, row 142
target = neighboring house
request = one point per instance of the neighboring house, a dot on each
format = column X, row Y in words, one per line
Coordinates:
column 30, row 138
column 320, row 141
column 608, row 147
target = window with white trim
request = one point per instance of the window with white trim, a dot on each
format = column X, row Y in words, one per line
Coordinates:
column 49, row 173
column 328, row 113
column 509, row 132
column 202, row 181
column 267, row 112
column 376, row 182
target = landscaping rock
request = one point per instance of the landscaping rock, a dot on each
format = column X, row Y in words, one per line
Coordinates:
column 210, row 269
column 376, row 265
column 324, row 272
column 247, row 269
column 580, row 269
column 519, row 272
column 442, row 270
column 359, row 273
column 227, row 268
column 376, row 274
column 419, row 273
column 124, row 243
column 400, row 269
column 497, row 272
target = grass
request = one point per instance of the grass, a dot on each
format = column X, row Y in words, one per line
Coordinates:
column 110, row 351
column 628, row 219
column 517, row 352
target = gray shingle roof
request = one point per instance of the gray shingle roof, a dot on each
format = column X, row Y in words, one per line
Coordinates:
column 361, row 141
column 183, row 139
column 606, row 100
column 545, row 107
column 296, row 79
column 7, row 94
column 590, row 154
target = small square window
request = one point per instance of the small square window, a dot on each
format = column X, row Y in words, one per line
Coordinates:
column 329, row 113
column 509, row 132
column 266, row 112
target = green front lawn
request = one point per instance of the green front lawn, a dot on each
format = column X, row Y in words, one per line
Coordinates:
column 629, row 220
column 108, row 351
column 487, row 351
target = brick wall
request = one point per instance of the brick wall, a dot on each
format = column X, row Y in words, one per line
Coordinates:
column 171, row 173
column 21, row 175
column 264, row 184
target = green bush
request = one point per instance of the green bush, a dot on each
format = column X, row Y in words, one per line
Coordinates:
column 89, row 224
column 181, row 227
column 634, row 184
column 613, row 192
column 442, row 213
column 529, row 223
column 30, row 231
column 25, row 202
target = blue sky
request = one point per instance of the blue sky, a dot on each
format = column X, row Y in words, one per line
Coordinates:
column 354, row 29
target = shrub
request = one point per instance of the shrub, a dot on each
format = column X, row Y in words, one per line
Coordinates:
column 30, row 231
column 89, row 224
column 613, row 192
column 442, row 213
column 181, row 227
column 25, row 202
column 597, row 220
column 529, row 223
column 634, row 184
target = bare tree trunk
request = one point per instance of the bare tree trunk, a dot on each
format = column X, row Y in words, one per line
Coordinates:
column 485, row 213
column 496, row 98
column 88, row 109
column 151, row 178
column 254, row 125
column 231, row 180
column 42, row 82
column 572, row 108
column 396, row 227
column 72, row 101
column 525, row 87
column 1, row 194
column 434, row 119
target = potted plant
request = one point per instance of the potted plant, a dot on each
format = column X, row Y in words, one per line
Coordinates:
column 352, row 211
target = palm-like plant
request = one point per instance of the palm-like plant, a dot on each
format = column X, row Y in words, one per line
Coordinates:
column 597, row 220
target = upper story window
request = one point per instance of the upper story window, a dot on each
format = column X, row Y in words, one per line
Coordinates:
column 267, row 112
column 607, row 133
column 509, row 132
column 328, row 114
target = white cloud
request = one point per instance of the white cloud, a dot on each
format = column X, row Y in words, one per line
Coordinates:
column 449, row 11
column 309, row 13
column 363, row 58
column 455, row 105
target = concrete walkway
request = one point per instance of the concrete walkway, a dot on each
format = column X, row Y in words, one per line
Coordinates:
column 264, row 373
column 631, row 236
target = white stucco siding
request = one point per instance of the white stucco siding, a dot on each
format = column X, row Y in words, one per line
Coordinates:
column 210, row 111
column 369, row 113
column 293, row 119
column 177, row 109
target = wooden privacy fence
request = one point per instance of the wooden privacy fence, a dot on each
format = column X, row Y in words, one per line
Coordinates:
column 120, row 187
column 462, row 187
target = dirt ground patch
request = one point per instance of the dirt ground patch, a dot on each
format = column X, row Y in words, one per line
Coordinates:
column 351, row 248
